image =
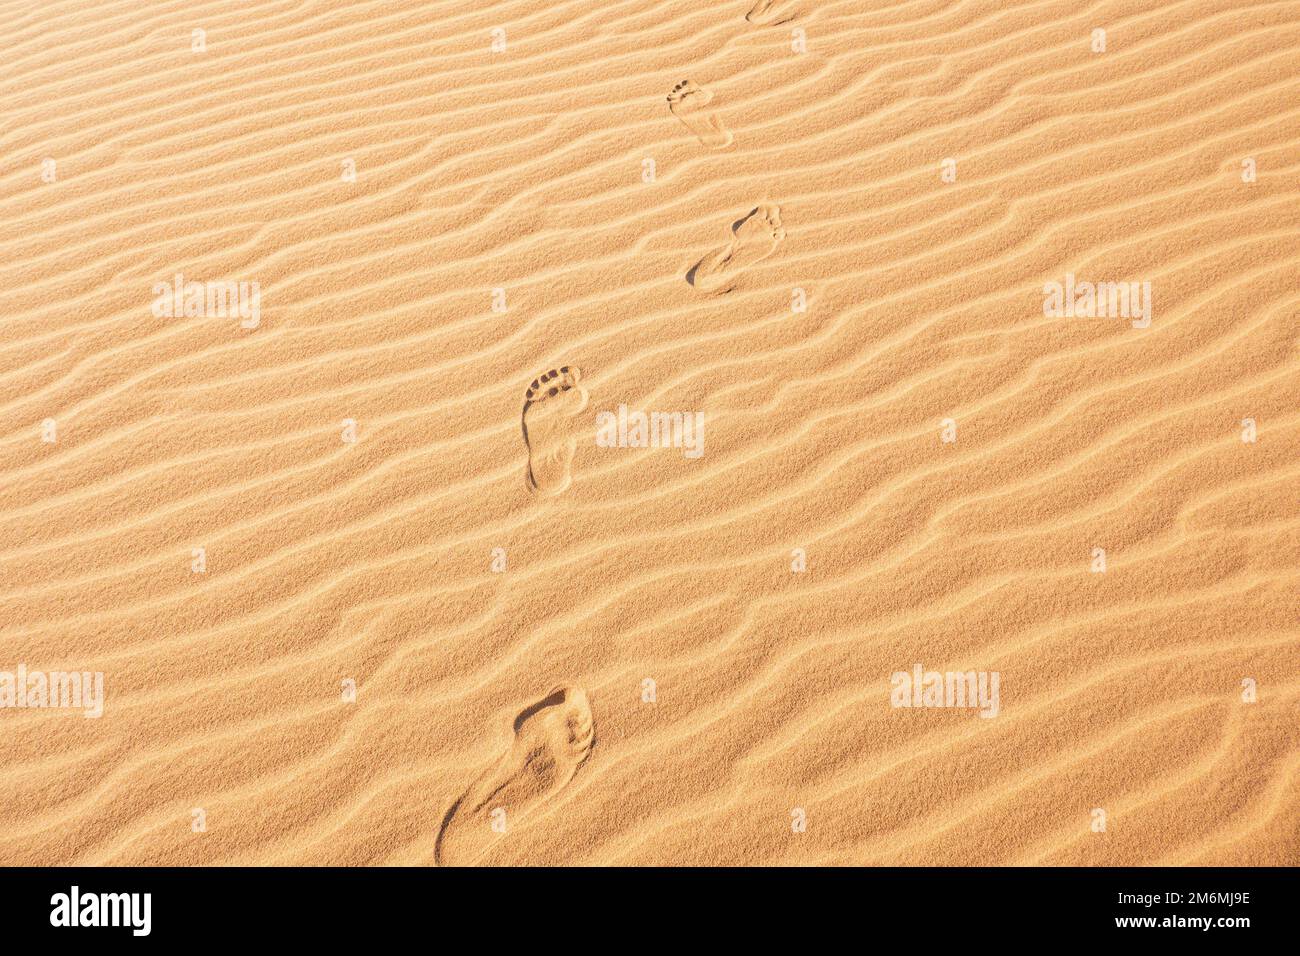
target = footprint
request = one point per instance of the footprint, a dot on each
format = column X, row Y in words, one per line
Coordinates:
column 771, row 12
column 688, row 103
column 757, row 236
column 552, row 739
column 553, row 399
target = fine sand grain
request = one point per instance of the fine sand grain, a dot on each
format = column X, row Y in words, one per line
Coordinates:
column 387, row 567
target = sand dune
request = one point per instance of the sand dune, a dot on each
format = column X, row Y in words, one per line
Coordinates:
column 854, row 343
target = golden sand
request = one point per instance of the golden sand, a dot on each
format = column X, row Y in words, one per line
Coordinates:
column 357, row 599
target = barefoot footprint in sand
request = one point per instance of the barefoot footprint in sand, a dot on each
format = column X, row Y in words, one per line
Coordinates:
column 552, row 739
column 689, row 103
column 757, row 236
column 550, row 405
column 771, row 12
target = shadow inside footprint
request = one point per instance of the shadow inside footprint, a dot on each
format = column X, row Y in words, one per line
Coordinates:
column 550, row 405
column 756, row 237
column 771, row 12
column 689, row 103
column 553, row 738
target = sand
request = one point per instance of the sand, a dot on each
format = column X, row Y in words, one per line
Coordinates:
column 384, row 568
